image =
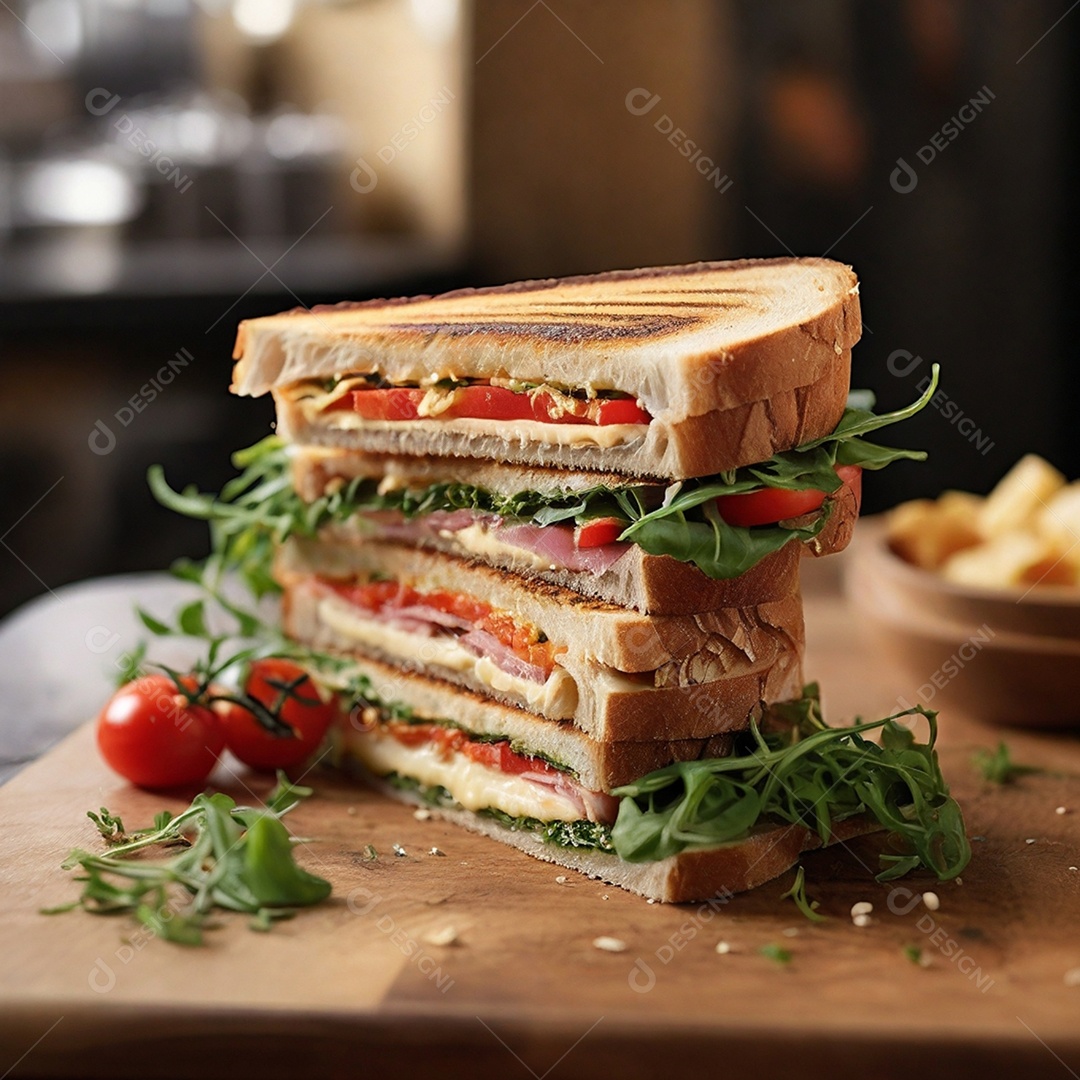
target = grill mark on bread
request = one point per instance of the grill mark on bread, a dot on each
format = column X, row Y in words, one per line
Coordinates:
column 631, row 326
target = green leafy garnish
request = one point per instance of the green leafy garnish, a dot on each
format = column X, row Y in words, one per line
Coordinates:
column 807, row 774
column 259, row 508
column 235, row 858
column 998, row 767
column 776, row 953
column 797, row 892
column 915, row 955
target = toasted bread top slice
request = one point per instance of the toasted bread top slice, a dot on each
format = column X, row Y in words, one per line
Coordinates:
column 683, row 340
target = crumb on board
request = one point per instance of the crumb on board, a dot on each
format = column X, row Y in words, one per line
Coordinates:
column 446, row 935
column 609, row 944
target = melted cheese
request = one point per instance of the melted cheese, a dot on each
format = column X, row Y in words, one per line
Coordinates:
column 477, row 539
column 556, row 698
column 520, row 431
column 474, row 786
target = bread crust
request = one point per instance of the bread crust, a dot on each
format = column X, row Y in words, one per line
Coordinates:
column 702, row 875
column 710, row 350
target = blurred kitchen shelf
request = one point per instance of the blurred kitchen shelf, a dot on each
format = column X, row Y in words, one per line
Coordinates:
column 92, row 266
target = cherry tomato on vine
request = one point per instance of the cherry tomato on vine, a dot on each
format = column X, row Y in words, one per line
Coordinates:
column 153, row 735
column 285, row 690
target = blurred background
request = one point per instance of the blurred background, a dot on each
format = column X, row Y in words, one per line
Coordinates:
column 168, row 167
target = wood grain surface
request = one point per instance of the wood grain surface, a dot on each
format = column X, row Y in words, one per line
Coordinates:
column 352, row 988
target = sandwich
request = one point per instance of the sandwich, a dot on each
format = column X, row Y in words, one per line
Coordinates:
column 543, row 543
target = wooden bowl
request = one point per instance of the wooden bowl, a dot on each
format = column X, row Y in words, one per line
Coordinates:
column 1005, row 656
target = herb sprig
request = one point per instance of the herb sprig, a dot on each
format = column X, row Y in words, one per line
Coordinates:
column 259, row 508
column 806, row 774
column 231, row 857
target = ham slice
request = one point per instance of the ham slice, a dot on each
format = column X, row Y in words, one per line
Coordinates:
column 553, row 543
column 482, row 643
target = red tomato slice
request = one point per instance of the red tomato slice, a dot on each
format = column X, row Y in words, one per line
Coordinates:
column 766, row 506
column 621, row 411
column 396, row 403
column 598, row 532
column 495, row 755
column 498, row 403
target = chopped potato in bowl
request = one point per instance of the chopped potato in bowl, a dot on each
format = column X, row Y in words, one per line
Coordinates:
column 1026, row 532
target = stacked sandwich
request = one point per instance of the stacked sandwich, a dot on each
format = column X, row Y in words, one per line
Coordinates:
column 553, row 534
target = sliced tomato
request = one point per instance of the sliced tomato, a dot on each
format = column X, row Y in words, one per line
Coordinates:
column 598, row 532
column 482, row 402
column 620, row 411
column 522, row 638
column 766, row 506
column 495, row 755
column 395, row 403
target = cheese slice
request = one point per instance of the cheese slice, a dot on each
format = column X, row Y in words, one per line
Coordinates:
column 556, row 698
column 477, row 539
column 520, row 431
column 474, row 786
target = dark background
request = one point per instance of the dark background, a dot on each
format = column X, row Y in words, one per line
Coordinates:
column 806, row 107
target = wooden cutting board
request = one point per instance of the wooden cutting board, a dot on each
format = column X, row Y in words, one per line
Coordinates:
column 353, row 987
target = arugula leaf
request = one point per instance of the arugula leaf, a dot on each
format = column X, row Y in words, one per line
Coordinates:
column 231, row 857
column 998, row 767
column 797, row 892
column 810, row 775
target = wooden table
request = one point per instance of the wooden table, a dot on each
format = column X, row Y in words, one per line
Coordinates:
column 353, row 988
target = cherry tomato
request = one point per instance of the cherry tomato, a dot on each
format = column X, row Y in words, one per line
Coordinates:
column 152, row 735
column 284, row 689
column 769, row 505
column 598, row 532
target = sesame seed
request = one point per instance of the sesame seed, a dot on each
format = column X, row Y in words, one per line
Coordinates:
column 1061, row 810
column 422, row 814
column 723, row 948
column 861, row 920
column 603, row 896
column 446, row 936
column 1072, row 867
column 1030, row 840
column 863, row 907
column 791, row 931
column 959, row 881
column 562, row 879
column 436, row 851
column 1072, row 977
column 609, row 944
column 931, row 900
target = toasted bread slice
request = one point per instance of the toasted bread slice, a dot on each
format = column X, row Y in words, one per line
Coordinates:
column 733, row 361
